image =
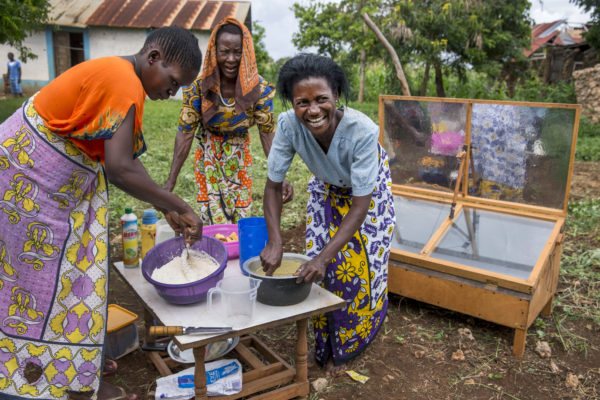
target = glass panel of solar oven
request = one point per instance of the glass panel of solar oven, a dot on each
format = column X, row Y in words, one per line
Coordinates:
column 521, row 153
column 416, row 221
column 497, row 242
column 422, row 139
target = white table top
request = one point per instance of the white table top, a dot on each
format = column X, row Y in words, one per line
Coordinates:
column 198, row 315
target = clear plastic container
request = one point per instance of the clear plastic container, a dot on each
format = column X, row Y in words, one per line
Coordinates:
column 121, row 332
column 163, row 231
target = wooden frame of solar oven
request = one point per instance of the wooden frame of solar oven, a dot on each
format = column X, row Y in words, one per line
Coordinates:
column 437, row 276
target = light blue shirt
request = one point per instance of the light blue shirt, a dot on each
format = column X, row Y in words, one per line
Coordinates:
column 13, row 69
column 351, row 160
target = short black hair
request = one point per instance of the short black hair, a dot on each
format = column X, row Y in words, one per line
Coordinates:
column 306, row 65
column 229, row 28
column 179, row 46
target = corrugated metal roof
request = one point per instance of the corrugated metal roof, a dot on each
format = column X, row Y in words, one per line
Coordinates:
column 190, row 14
column 72, row 12
column 550, row 32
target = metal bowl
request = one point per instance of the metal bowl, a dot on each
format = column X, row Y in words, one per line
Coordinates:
column 186, row 293
column 278, row 290
column 213, row 350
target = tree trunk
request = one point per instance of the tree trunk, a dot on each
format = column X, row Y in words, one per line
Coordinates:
column 439, row 80
column 361, row 84
column 423, row 91
column 391, row 51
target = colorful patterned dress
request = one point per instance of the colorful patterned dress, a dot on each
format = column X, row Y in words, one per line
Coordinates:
column 354, row 165
column 359, row 272
column 222, row 158
column 53, row 229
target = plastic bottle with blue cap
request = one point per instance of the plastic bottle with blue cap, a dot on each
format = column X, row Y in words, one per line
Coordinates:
column 149, row 219
column 129, row 234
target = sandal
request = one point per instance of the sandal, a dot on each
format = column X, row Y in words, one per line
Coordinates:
column 110, row 367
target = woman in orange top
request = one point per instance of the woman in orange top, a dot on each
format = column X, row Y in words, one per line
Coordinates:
column 56, row 152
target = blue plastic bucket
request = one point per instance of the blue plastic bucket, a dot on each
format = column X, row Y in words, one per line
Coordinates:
column 253, row 237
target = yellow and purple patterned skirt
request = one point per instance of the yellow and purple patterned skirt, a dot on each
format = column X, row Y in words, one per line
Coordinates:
column 359, row 272
column 53, row 262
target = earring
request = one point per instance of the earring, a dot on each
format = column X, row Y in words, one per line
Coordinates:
column 151, row 62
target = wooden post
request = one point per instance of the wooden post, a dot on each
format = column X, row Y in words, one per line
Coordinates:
column 148, row 322
column 200, row 373
column 547, row 310
column 519, row 342
column 301, row 350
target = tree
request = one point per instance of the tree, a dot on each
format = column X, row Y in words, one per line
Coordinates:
column 592, row 36
column 337, row 29
column 19, row 19
column 263, row 60
column 459, row 35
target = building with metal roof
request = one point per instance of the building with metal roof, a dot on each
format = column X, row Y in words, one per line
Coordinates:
column 557, row 51
column 80, row 30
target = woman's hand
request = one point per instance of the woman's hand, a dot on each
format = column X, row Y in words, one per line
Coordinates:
column 288, row 191
column 312, row 271
column 270, row 258
column 188, row 224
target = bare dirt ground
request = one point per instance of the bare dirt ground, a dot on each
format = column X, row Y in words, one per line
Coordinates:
column 416, row 354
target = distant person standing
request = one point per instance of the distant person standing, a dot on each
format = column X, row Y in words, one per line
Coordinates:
column 14, row 75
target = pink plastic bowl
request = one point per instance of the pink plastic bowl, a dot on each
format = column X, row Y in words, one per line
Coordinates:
column 233, row 248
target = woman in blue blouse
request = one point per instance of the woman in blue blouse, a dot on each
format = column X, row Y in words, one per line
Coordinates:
column 350, row 212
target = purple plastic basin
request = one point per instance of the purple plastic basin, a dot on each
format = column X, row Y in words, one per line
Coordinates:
column 233, row 248
column 187, row 293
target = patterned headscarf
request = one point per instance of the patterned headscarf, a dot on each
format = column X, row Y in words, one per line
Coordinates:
column 247, row 90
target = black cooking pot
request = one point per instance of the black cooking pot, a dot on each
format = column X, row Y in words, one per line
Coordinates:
column 278, row 290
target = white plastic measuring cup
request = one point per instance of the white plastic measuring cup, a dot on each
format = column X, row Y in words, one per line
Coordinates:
column 238, row 299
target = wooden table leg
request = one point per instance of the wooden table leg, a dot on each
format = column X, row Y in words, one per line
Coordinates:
column 519, row 342
column 547, row 308
column 148, row 322
column 200, row 373
column 301, row 350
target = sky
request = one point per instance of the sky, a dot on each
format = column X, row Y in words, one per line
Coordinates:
column 279, row 22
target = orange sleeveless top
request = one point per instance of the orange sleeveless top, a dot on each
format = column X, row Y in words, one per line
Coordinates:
column 88, row 103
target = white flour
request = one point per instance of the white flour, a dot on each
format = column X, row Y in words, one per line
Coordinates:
column 179, row 271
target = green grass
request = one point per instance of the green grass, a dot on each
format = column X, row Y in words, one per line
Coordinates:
column 160, row 128
column 9, row 105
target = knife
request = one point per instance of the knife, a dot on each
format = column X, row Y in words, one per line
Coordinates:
column 182, row 330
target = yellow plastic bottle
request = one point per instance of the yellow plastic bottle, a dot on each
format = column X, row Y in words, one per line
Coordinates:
column 148, row 230
column 129, row 234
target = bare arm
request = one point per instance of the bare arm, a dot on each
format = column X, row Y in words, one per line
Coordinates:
column 129, row 175
column 272, row 205
column 183, row 144
column 315, row 269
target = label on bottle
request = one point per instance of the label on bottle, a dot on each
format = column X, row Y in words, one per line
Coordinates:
column 148, row 238
column 130, row 243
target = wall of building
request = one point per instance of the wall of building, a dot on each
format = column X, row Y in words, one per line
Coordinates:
column 101, row 42
column 125, row 41
column 34, row 73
